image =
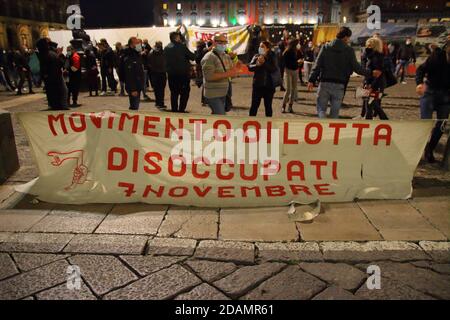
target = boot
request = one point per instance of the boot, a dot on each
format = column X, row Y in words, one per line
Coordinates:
column 290, row 110
column 429, row 156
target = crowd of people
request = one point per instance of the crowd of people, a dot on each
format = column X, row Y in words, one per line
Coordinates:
column 213, row 65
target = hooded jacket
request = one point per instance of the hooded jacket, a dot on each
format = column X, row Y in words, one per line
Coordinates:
column 335, row 63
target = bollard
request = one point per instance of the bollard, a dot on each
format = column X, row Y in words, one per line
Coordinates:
column 9, row 160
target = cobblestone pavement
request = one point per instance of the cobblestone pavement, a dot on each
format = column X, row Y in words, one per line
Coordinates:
column 141, row 251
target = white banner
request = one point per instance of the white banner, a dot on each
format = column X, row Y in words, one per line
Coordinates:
column 164, row 158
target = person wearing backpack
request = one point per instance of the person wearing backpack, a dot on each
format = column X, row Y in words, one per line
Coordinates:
column 263, row 64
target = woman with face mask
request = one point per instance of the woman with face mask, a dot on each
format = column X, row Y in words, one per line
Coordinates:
column 263, row 65
column 291, row 74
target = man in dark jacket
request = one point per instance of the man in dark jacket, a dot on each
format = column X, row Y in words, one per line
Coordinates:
column 405, row 55
column 334, row 66
column 74, row 69
column 23, row 70
column 133, row 71
column 178, row 67
column 51, row 71
column 158, row 75
column 107, row 61
column 118, row 57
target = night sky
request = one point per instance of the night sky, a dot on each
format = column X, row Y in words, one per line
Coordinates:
column 117, row 13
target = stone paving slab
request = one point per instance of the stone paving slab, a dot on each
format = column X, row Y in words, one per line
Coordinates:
column 348, row 223
column 106, row 244
column 239, row 252
column 290, row 284
column 4, row 236
column 391, row 290
column 164, row 284
column 61, row 292
column 171, row 246
column 244, row 279
column 372, row 251
column 7, row 266
column 436, row 210
column 203, row 292
column 103, row 273
column 28, row 283
column 194, row 223
column 29, row 261
column 5, row 192
column 144, row 265
column 133, row 218
column 439, row 251
column 335, row 293
column 20, row 220
column 69, row 222
column 398, row 220
column 36, row 242
column 257, row 224
column 437, row 267
column 339, row 274
column 425, row 281
column 291, row 251
column 211, row 271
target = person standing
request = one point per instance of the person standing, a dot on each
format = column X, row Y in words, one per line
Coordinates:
column 309, row 59
column 263, row 65
column 92, row 72
column 118, row 57
column 133, row 71
column 5, row 72
column 51, row 66
column 177, row 57
column 282, row 45
column 291, row 75
column 107, row 67
column 74, row 70
column 218, row 69
column 158, row 75
column 405, row 55
column 334, row 65
column 23, row 70
column 200, row 52
column 435, row 93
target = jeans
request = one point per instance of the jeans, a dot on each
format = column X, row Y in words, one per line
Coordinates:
column 108, row 76
column 333, row 93
column 74, row 86
column 134, row 101
column 402, row 66
column 158, row 81
column 179, row 86
column 291, row 77
column 439, row 101
column 259, row 93
column 217, row 105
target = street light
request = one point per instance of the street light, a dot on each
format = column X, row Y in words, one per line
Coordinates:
column 242, row 20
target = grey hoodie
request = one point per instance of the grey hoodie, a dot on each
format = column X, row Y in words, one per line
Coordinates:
column 335, row 63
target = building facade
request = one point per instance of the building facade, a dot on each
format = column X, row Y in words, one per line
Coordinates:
column 22, row 22
column 215, row 13
column 397, row 11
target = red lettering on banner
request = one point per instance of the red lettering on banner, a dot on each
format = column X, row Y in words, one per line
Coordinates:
column 308, row 128
column 385, row 136
column 318, row 164
column 135, row 160
column 171, row 127
column 254, row 174
column 96, row 119
column 296, row 189
column 195, row 172
column 219, row 173
column 82, row 126
column 291, row 172
column 216, row 130
column 111, row 118
column 156, row 167
column 286, row 139
column 184, row 192
column 322, row 190
column 202, row 193
column 123, row 159
column 334, row 170
column 197, row 127
column 337, row 130
column 256, row 189
column 269, row 131
column 148, row 126
column 275, row 191
column 360, row 127
column 182, row 171
column 129, row 188
column 149, row 189
column 51, row 119
column 224, row 192
column 245, row 128
column 125, row 116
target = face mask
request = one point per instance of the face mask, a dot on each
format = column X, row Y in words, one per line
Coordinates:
column 138, row 47
column 261, row 51
column 221, row 48
column 299, row 47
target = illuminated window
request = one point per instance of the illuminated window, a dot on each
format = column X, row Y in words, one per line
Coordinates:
column 164, row 6
column 178, row 6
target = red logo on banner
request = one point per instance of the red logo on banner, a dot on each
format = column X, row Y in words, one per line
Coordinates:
column 79, row 172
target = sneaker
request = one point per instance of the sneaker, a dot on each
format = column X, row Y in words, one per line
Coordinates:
column 75, row 105
column 103, row 93
column 290, row 110
column 403, row 82
column 357, row 118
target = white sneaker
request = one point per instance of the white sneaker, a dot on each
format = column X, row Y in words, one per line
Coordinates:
column 357, row 118
column 403, row 82
column 103, row 93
